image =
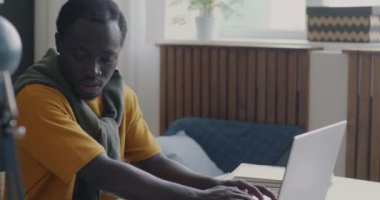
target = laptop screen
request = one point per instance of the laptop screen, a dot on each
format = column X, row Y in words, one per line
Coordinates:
column 311, row 163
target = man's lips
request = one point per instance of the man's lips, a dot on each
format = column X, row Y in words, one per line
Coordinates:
column 90, row 86
column 91, row 82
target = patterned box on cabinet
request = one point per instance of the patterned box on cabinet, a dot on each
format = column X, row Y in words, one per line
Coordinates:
column 343, row 24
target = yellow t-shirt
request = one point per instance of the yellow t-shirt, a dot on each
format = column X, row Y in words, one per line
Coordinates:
column 55, row 147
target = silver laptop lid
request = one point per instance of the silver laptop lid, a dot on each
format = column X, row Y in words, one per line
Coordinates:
column 311, row 163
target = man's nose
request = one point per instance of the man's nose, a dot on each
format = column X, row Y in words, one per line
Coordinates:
column 93, row 69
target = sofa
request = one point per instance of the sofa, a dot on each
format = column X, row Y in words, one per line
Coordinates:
column 215, row 146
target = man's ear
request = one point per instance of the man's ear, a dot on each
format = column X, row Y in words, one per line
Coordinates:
column 58, row 41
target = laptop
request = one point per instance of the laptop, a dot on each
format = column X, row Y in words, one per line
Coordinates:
column 311, row 163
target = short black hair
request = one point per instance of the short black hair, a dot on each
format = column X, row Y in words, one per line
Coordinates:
column 95, row 10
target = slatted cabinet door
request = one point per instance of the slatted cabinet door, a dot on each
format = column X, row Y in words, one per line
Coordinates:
column 254, row 84
column 363, row 129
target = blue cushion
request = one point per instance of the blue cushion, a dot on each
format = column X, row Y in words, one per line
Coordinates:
column 185, row 150
column 229, row 143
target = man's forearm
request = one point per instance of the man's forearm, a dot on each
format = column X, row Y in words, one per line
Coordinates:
column 129, row 182
column 170, row 170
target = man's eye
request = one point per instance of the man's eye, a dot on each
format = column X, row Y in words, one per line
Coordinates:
column 80, row 55
column 106, row 59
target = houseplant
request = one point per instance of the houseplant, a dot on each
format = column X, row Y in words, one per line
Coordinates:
column 206, row 20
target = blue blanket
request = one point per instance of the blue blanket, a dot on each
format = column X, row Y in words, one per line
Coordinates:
column 229, row 143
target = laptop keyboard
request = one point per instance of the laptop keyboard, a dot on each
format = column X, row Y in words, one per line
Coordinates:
column 265, row 198
column 274, row 190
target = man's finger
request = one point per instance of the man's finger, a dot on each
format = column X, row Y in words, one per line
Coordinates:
column 267, row 192
column 256, row 192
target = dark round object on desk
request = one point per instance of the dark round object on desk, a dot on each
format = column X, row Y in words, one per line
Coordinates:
column 10, row 46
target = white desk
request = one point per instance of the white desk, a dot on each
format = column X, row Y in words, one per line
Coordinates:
column 353, row 189
column 346, row 189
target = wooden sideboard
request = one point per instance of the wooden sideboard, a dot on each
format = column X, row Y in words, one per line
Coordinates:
column 267, row 83
column 363, row 130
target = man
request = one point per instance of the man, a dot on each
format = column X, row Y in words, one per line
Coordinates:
column 86, row 135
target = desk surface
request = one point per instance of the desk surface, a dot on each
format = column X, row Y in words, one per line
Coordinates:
column 352, row 189
column 347, row 189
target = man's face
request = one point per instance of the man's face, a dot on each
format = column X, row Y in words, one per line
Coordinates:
column 88, row 55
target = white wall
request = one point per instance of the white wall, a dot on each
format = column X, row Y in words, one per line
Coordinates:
column 45, row 14
column 328, row 93
column 141, row 67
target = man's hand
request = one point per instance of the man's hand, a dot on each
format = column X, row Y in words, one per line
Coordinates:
column 251, row 190
column 224, row 193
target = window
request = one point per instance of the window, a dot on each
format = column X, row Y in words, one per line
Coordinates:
column 256, row 18
column 271, row 19
column 268, row 19
column 179, row 22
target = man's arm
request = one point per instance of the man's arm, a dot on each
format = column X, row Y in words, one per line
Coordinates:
column 127, row 181
column 160, row 166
